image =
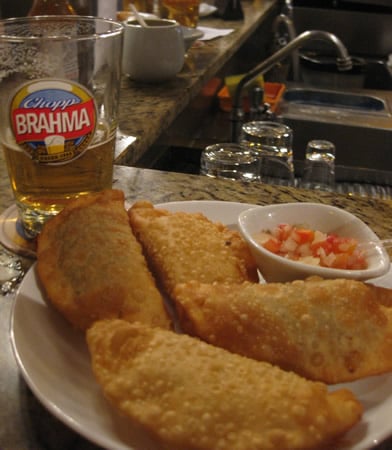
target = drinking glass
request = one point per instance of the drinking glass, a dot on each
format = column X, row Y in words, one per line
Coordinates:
column 229, row 160
column 272, row 141
column 319, row 169
column 59, row 90
column 185, row 12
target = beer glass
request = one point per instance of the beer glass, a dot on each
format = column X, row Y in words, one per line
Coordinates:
column 59, row 90
column 185, row 12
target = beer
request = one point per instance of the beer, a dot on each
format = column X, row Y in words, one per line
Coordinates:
column 59, row 117
column 43, row 7
column 185, row 12
column 42, row 190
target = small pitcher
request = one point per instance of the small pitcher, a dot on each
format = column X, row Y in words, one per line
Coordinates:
column 154, row 53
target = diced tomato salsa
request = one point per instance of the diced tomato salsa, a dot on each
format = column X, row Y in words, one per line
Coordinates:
column 300, row 243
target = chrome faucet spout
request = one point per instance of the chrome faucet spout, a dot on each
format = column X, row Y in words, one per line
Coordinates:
column 344, row 62
column 283, row 19
column 287, row 8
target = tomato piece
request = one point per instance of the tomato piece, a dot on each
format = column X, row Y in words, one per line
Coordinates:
column 273, row 245
column 302, row 235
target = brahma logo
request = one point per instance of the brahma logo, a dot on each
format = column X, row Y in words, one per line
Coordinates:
column 53, row 120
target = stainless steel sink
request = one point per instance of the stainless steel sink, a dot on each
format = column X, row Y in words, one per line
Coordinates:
column 335, row 99
column 359, row 123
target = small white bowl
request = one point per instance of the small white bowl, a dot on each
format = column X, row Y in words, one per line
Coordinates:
column 316, row 216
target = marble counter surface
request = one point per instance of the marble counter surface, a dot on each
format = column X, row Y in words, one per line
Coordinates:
column 25, row 423
column 146, row 110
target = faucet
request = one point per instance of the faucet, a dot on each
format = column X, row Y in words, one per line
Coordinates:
column 287, row 8
column 283, row 19
column 343, row 62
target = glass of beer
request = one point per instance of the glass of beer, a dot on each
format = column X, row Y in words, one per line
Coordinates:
column 185, row 12
column 59, row 91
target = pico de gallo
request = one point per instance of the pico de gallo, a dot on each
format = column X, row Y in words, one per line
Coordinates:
column 300, row 243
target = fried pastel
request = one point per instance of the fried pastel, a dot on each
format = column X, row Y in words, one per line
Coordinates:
column 187, row 246
column 327, row 330
column 191, row 395
column 92, row 267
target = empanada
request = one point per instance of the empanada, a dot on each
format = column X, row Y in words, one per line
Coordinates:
column 92, row 267
column 191, row 395
column 327, row 330
column 187, row 246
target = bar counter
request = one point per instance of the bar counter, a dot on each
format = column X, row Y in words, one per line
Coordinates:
column 146, row 110
column 25, row 423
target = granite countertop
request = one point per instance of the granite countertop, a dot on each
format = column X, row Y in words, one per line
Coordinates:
column 25, row 422
column 146, row 110
column 159, row 187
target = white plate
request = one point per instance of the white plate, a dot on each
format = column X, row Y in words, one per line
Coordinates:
column 54, row 361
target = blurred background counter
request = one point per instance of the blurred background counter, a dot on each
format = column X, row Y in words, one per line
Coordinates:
column 147, row 110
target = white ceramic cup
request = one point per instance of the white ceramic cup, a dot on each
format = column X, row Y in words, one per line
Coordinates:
column 154, row 53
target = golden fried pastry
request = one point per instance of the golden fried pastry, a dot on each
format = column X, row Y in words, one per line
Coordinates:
column 92, row 267
column 183, row 246
column 191, row 395
column 326, row 330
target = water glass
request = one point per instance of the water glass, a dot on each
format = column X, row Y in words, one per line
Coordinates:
column 230, row 160
column 319, row 169
column 272, row 141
